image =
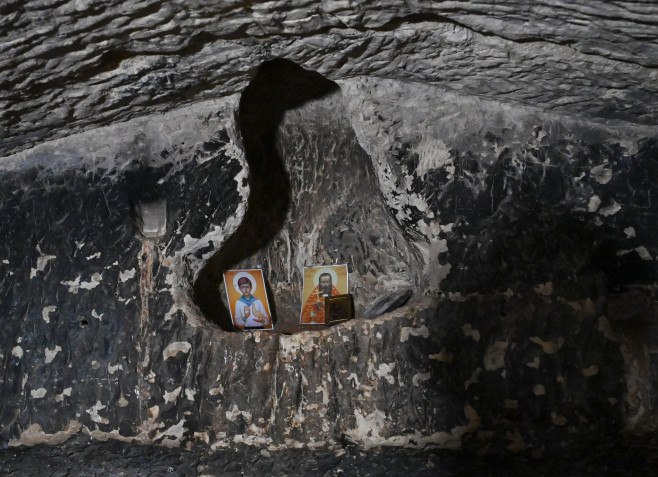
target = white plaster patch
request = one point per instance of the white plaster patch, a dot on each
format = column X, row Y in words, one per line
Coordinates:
column 75, row 285
column 384, row 371
column 177, row 431
column 601, row 174
column 474, row 379
column 113, row 369
column 172, row 396
column 630, row 232
column 122, row 402
column 355, row 380
column 592, row 370
column 150, row 377
column 545, row 289
column 51, row 353
column 549, row 347
column 66, row 392
column 174, row 348
column 535, row 363
column 93, row 412
column 420, row 377
column 95, row 255
column 42, row 261
column 95, row 314
column 408, row 331
column 38, row 393
column 369, row 425
column 170, row 314
column 494, row 356
column 234, row 413
column 17, row 351
column 325, row 394
column 444, row 356
column 34, row 435
column 611, row 209
column 45, row 313
column 127, row 275
column 469, row 331
column 643, row 253
column 291, row 345
column 189, row 394
column 594, row 203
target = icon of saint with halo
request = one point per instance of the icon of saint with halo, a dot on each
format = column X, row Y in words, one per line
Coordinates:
column 327, row 281
column 248, row 310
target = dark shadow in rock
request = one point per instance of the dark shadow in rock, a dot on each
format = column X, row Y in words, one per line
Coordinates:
column 389, row 303
column 279, row 85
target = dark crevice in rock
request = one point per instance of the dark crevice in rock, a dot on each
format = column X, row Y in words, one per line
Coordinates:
column 278, row 86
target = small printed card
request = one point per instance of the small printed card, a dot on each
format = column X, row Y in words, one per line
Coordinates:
column 247, row 298
column 321, row 282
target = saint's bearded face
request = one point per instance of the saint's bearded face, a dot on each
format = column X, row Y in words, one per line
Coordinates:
column 325, row 284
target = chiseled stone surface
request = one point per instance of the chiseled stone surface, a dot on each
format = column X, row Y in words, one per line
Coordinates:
column 72, row 65
column 87, row 458
column 509, row 343
column 487, row 171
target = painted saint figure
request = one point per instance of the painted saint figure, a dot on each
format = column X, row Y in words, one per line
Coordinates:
column 249, row 310
column 313, row 311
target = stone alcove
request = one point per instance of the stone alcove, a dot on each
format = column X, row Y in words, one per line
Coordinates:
column 522, row 361
column 313, row 199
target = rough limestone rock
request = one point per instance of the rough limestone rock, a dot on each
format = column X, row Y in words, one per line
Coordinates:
column 72, row 65
column 487, row 171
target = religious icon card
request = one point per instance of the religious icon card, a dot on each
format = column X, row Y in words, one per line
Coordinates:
column 319, row 283
column 247, row 299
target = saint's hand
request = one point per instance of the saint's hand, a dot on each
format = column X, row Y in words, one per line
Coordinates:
column 261, row 318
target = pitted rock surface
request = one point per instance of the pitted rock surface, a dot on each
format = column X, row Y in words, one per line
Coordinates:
column 84, row 458
column 488, row 170
column 72, row 65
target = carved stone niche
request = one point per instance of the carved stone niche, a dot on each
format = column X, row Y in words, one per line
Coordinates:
column 314, row 199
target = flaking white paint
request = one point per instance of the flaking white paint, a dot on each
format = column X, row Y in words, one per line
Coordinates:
column 38, row 393
column 408, row 331
column 51, row 353
column 76, row 285
column 47, row 310
column 174, row 348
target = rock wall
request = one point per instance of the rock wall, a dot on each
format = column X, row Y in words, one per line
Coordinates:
column 70, row 66
column 518, row 238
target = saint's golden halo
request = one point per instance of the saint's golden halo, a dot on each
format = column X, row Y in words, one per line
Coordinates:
column 239, row 275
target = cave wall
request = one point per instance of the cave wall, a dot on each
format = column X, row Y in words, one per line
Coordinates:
column 519, row 238
column 71, row 66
